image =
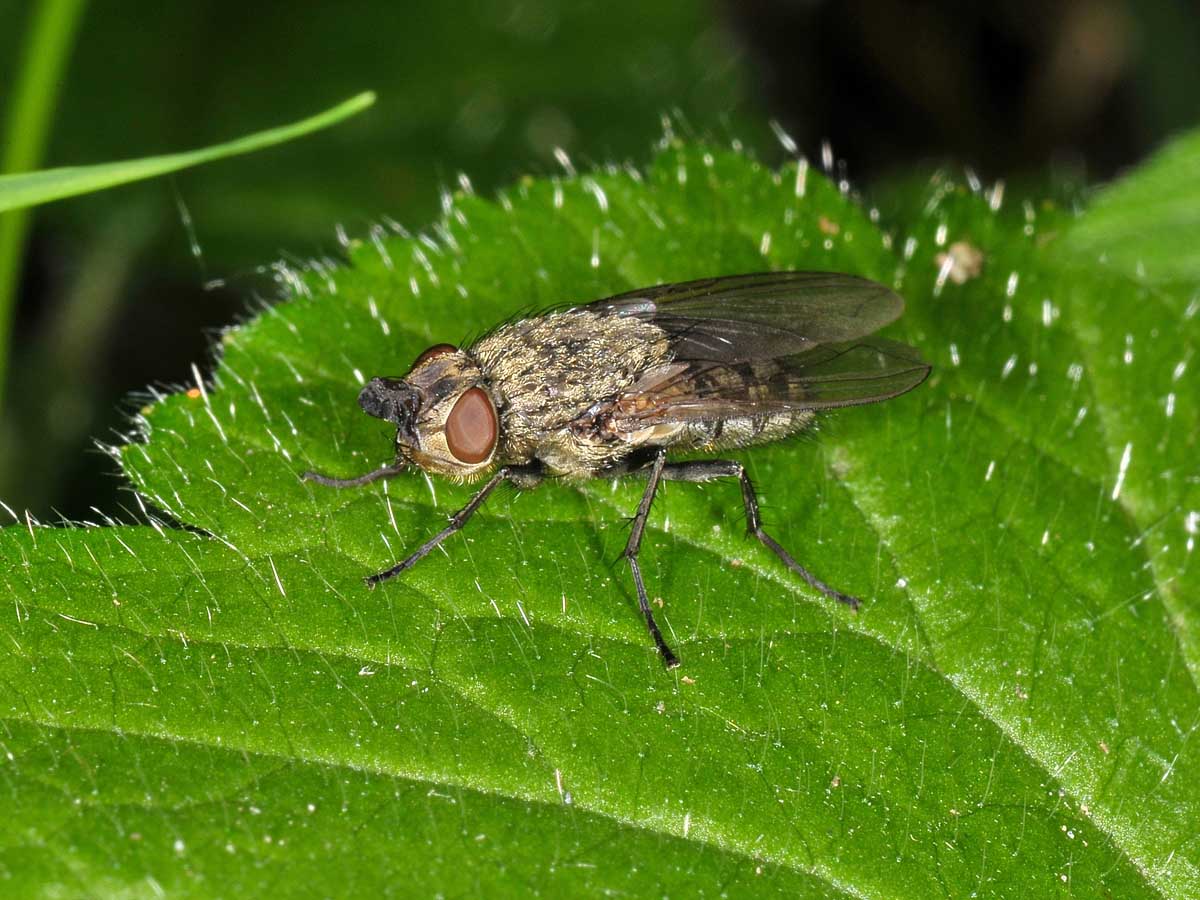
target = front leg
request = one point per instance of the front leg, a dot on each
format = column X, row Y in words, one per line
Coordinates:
column 711, row 469
column 523, row 476
column 382, row 472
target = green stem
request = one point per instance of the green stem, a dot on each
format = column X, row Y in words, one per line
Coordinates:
column 32, row 188
column 51, row 35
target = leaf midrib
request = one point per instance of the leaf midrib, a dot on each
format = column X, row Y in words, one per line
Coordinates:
column 955, row 683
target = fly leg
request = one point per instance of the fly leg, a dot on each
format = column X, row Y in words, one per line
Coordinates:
column 522, row 475
column 670, row 660
column 709, row 470
column 382, row 472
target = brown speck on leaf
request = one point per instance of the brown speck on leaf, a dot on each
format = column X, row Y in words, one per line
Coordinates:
column 966, row 262
column 193, row 393
column 1104, row 747
column 736, row 562
column 828, row 226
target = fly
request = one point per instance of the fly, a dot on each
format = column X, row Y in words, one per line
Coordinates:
column 616, row 386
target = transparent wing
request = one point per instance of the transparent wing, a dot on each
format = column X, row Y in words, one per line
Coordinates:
column 826, row 377
column 740, row 318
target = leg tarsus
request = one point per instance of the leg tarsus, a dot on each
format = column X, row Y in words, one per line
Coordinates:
column 770, row 543
column 670, row 660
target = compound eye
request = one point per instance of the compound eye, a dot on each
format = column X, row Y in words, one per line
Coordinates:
column 435, row 350
column 472, row 427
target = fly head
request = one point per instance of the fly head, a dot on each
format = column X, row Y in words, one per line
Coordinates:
column 445, row 417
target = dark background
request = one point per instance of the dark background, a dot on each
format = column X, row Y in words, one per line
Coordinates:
column 127, row 288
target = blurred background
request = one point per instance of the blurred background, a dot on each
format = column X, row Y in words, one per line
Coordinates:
column 127, row 288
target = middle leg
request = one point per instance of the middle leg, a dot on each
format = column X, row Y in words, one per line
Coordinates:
column 670, row 660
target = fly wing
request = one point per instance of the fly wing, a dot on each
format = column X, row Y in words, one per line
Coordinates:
column 739, row 318
column 757, row 345
column 827, row 377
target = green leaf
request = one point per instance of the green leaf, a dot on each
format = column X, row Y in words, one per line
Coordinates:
column 1147, row 224
column 227, row 710
column 31, row 188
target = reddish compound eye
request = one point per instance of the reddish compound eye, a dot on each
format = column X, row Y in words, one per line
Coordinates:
column 435, row 350
column 472, row 427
